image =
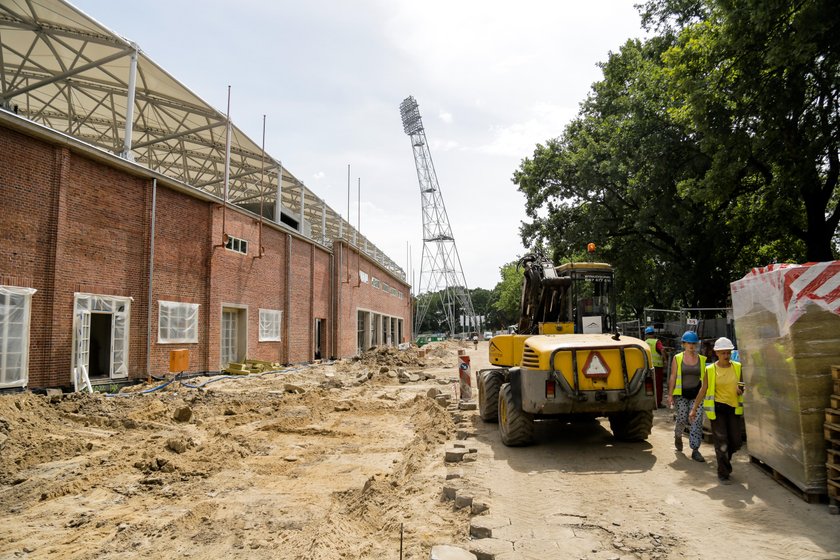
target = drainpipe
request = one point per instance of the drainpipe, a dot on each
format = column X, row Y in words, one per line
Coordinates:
column 151, row 276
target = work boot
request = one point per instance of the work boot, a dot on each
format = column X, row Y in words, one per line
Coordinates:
column 678, row 443
column 697, row 457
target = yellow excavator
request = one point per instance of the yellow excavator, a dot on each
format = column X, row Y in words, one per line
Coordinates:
column 567, row 357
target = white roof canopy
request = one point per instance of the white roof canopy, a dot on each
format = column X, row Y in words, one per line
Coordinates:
column 60, row 68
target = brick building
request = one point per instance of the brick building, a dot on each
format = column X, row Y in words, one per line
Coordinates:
column 137, row 219
column 108, row 265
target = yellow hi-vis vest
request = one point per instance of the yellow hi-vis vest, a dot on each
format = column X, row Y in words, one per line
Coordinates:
column 679, row 359
column 709, row 399
column 655, row 356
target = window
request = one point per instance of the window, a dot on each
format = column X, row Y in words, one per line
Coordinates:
column 363, row 276
column 15, row 304
column 236, row 244
column 270, row 320
column 386, row 287
column 177, row 322
column 375, row 282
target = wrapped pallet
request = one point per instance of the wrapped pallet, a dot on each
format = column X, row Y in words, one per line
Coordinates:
column 787, row 322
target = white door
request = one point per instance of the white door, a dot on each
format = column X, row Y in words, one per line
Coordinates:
column 81, row 363
column 119, row 344
column 230, row 331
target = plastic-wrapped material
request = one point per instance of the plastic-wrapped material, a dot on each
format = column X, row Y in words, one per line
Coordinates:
column 787, row 322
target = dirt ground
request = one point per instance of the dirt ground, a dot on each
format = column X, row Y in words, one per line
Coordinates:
column 332, row 461
column 325, row 461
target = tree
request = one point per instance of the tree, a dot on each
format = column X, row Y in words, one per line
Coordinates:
column 616, row 177
column 705, row 150
column 760, row 83
column 508, row 294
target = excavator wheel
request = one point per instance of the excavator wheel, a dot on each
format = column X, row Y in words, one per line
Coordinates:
column 489, row 382
column 632, row 426
column 515, row 426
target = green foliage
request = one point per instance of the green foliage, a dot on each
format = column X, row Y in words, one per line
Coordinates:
column 708, row 149
column 508, row 295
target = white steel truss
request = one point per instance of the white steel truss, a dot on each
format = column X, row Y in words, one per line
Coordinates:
column 64, row 70
column 440, row 268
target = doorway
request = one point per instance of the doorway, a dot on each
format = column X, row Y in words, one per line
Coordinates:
column 100, row 338
column 234, row 342
column 101, row 329
column 320, row 325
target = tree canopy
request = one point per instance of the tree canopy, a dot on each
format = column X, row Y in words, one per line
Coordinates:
column 707, row 149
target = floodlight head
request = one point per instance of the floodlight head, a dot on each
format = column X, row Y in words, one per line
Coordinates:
column 410, row 113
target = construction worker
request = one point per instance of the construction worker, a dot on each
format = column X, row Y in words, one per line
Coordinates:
column 687, row 369
column 656, row 352
column 722, row 398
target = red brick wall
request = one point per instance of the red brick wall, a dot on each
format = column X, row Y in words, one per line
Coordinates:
column 71, row 224
column 182, row 254
column 28, row 181
column 86, row 232
column 356, row 295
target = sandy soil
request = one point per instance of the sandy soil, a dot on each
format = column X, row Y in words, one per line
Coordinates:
column 326, row 461
column 330, row 461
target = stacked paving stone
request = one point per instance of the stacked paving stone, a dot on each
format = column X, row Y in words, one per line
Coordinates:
column 464, row 494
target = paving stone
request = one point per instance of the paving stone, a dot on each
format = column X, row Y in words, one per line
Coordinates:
column 454, row 455
column 450, row 491
column 490, row 549
column 483, row 526
column 463, row 500
column 449, row 552
column 478, row 507
column 467, row 405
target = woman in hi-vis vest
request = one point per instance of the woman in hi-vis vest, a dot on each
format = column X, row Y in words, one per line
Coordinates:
column 722, row 398
column 687, row 369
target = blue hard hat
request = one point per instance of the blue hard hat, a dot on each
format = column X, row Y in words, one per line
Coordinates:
column 690, row 337
column 649, row 330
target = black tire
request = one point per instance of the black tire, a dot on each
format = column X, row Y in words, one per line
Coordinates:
column 515, row 426
column 632, row 426
column 489, row 382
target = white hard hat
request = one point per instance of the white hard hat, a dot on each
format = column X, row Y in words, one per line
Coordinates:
column 723, row 343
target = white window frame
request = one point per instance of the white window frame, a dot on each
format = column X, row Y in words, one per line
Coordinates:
column 189, row 314
column 236, row 245
column 269, row 320
column 22, row 377
column 363, row 276
column 374, row 281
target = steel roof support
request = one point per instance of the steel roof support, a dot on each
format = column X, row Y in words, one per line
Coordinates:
column 129, row 106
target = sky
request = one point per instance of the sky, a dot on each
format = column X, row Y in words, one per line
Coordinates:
column 492, row 79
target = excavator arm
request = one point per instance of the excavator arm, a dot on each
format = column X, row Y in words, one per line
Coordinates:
column 544, row 294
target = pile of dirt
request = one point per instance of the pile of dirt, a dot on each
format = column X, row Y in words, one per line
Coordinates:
column 228, row 467
column 392, row 357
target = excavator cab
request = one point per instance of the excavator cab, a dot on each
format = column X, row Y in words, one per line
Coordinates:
column 590, row 297
column 571, row 298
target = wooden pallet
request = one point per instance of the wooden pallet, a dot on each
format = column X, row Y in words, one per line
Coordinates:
column 835, row 401
column 834, row 497
column 832, row 416
column 810, row 496
column 832, row 434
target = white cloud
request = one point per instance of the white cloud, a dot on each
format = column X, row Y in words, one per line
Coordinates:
column 445, row 117
column 319, row 175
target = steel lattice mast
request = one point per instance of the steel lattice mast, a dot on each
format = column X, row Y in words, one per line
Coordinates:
column 440, row 267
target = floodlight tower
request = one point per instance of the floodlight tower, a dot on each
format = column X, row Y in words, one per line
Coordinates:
column 440, row 267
